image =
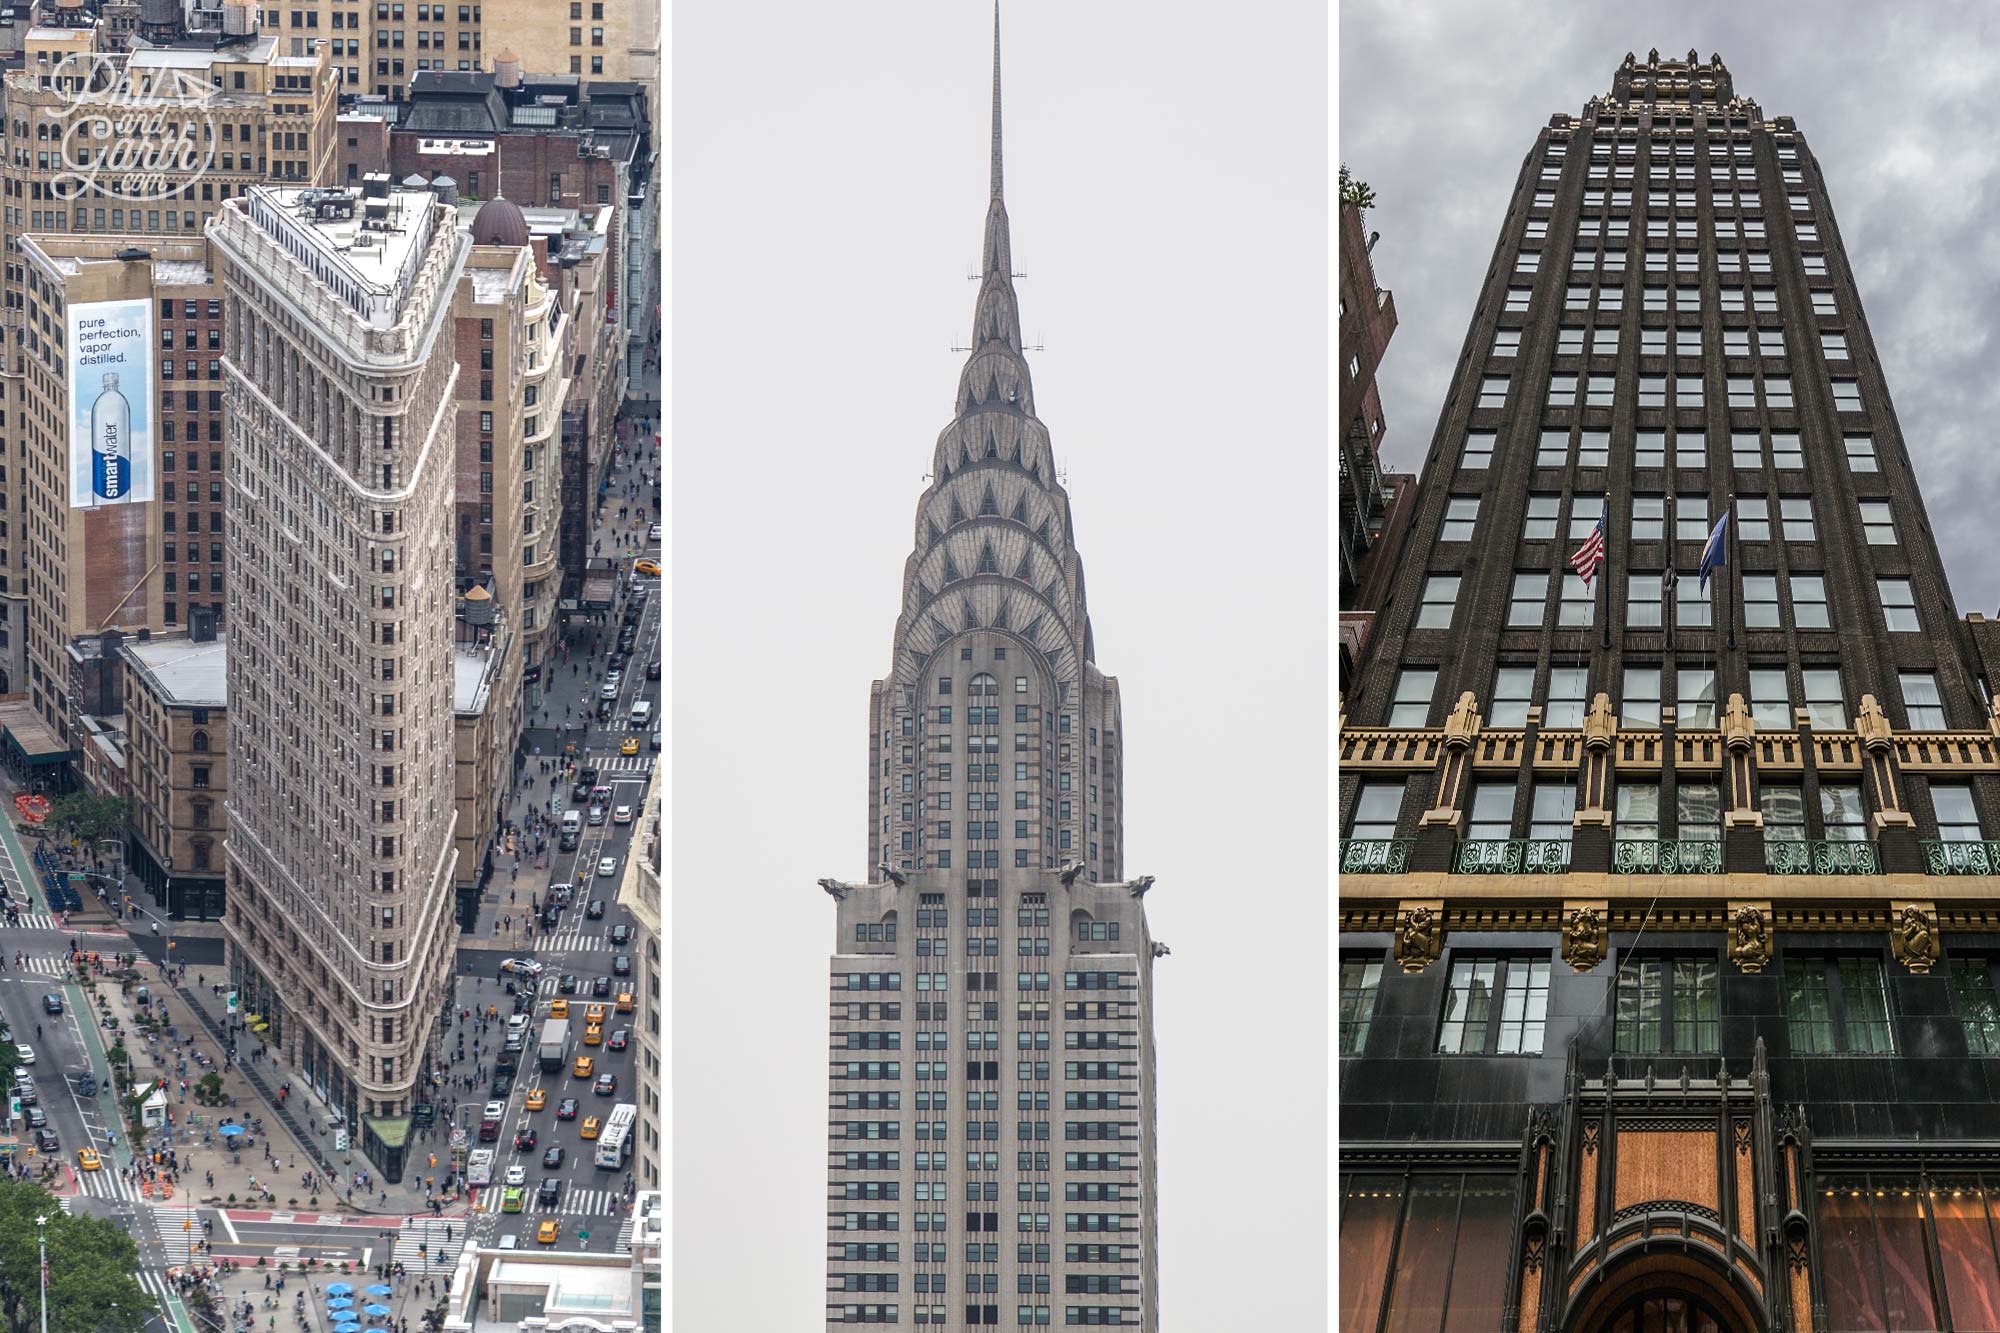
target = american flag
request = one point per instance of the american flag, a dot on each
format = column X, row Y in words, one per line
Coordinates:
column 1589, row 555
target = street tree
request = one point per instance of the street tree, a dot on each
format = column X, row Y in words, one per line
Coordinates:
column 87, row 817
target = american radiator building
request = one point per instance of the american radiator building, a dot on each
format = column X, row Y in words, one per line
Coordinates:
column 990, row 1154
column 1668, row 921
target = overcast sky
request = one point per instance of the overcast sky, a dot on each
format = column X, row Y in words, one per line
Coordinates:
column 1440, row 102
column 1167, row 180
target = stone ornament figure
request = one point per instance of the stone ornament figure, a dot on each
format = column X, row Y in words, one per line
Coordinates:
column 1419, row 939
column 1585, row 939
column 1915, row 940
column 1750, row 940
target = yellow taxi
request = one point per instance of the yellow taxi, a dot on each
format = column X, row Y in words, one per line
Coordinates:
column 649, row 568
column 629, row 746
column 624, row 1002
column 547, row 1232
column 537, row 1099
column 593, row 1033
column 593, row 1013
column 583, row 1067
column 86, row 1159
column 559, row 1007
column 590, row 1126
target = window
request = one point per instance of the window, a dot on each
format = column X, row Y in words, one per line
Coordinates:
column 1593, row 447
column 1565, row 707
column 1652, row 391
column 1693, row 607
column 1746, row 449
column 1638, row 812
column 1778, row 391
column 1860, row 453
column 1495, row 1006
column 1527, row 261
column 1809, row 602
column 1359, row 978
column 1957, row 819
column 1579, row 602
column 1642, row 601
column 1668, row 1006
column 1690, row 450
column 1846, row 396
column 1562, row 391
column 1552, row 817
column 1836, row 1006
column 1529, row 600
column 1411, row 705
column 1440, row 597
column 1649, row 517
column 1922, row 703
column 1784, row 810
column 1460, row 513
column 1492, row 815
column 1760, row 600
column 1650, row 449
column 1517, row 297
column 1653, row 342
column 1513, row 691
column 1826, row 707
column 1691, row 518
column 1478, row 451
column 1584, row 511
column 1785, row 451
column 1507, row 342
column 1876, row 524
column 1493, row 392
column 1735, row 342
column 1770, row 700
column 1822, row 304
column 1771, row 342
column 1687, row 342
column 1833, row 346
column 1540, row 524
column 1377, row 809
column 1700, row 811
column 1604, row 339
column 1687, row 391
column 1574, row 298
column 1972, row 996
column 1841, row 815
column 1640, row 704
column 1569, row 341
column 1553, row 449
column 1899, row 603
column 1753, row 518
column 1796, row 513
column 1695, row 697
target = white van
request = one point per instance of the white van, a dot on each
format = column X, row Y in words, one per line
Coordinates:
column 572, row 821
column 642, row 713
column 510, row 1242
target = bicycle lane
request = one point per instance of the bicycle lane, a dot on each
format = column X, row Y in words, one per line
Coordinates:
column 17, row 867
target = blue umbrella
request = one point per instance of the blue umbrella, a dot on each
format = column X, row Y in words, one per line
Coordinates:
column 378, row 1290
column 339, row 1303
column 230, row 1131
column 375, row 1311
column 374, row 1330
column 340, row 1289
column 345, row 1318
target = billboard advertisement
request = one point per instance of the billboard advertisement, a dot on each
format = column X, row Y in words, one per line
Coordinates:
column 111, row 403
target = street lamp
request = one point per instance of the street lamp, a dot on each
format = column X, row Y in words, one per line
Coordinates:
column 42, row 1239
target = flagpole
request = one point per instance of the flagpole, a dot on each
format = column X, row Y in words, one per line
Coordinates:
column 1728, row 602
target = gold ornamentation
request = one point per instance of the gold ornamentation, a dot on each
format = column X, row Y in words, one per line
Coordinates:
column 1419, row 939
column 1750, row 940
column 1915, row 939
column 1585, row 940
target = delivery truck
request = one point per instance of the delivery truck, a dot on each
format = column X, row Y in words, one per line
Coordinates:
column 555, row 1044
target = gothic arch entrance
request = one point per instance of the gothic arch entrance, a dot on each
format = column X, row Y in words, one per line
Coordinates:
column 1665, row 1291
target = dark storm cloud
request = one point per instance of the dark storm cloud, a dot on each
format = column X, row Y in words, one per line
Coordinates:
column 1439, row 103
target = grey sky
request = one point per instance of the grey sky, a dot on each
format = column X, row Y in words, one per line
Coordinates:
column 1439, row 104
column 1167, row 181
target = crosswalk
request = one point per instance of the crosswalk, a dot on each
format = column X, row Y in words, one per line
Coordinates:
column 177, row 1229
column 108, row 1183
column 429, row 1232
column 36, row 921
column 574, row 1202
column 623, row 763
column 578, row 940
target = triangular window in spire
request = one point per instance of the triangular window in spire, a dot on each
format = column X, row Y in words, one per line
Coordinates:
column 1000, row 617
column 992, row 445
column 971, row 616
column 1033, row 632
column 939, row 631
column 936, row 532
column 989, row 507
column 987, row 564
column 993, row 386
column 1020, row 514
column 1042, row 531
column 1025, row 571
column 951, row 574
column 957, row 511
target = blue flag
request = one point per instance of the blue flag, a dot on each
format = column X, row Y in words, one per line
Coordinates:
column 1716, row 553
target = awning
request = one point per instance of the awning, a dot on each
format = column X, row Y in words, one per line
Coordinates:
column 28, row 737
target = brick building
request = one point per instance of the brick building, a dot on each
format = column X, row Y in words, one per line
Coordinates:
column 1667, row 948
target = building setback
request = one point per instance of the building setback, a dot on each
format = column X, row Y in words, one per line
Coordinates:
column 1667, row 954
column 1023, row 1191
column 341, row 396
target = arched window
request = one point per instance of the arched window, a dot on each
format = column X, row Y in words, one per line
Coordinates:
column 201, row 742
column 983, row 684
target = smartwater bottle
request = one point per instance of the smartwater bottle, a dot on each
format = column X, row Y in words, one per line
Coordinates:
column 110, row 443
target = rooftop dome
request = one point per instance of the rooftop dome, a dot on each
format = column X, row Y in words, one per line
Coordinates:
column 499, row 222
